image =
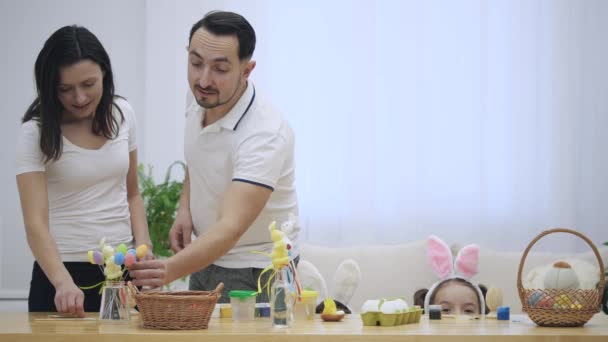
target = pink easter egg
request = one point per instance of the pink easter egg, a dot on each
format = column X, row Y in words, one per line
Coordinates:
column 129, row 259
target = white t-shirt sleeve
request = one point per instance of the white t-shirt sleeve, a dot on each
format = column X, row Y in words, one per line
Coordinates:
column 131, row 122
column 260, row 159
column 29, row 157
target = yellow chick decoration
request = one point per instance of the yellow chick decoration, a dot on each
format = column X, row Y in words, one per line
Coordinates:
column 329, row 306
column 280, row 259
column 330, row 312
column 279, row 255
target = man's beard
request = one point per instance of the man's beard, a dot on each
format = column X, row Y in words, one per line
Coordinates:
column 204, row 101
column 219, row 102
column 208, row 105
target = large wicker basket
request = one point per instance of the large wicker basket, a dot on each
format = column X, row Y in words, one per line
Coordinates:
column 561, row 307
column 179, row 310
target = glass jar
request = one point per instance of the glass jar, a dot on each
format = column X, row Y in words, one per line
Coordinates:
column 114, row 302
column 281, row 301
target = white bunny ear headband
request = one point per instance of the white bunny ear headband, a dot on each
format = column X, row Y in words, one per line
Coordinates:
column 464, row 267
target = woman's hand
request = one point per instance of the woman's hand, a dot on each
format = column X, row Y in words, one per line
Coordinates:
column 69, row 299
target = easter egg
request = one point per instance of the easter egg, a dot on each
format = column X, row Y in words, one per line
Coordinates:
column 141, row 251
column 494, row 298
column 371, row 305
column 545, row 303
column 119, row 258
column 107, row 251
column 97, row 258
column 132, row 251
column 562, row 302
column 122, row 248
column 534, row 298
column 129, row 259
column 90, row 257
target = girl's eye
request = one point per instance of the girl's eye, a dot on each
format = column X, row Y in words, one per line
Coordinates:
column 445, row 310
column 469, row 312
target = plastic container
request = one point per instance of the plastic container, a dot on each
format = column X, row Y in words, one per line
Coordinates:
column 225, row 311
column 243, row 305
column 435, row 312
column 306, row 306
column 262, row 310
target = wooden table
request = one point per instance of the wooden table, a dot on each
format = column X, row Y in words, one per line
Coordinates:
column 28, row 327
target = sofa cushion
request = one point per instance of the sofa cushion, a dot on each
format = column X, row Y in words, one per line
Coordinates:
column 400, row 270
column 386, row 271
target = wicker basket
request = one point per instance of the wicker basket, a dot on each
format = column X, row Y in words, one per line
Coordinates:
column 561, row 307
column 180, row 310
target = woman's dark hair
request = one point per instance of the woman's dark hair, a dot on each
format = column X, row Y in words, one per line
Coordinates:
column 420, row 295
column 65, row 47
column 228, row 24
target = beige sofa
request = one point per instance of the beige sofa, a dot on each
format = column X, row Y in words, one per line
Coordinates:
column 400, row 270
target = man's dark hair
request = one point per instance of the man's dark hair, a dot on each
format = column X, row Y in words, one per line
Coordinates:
column 223, row 23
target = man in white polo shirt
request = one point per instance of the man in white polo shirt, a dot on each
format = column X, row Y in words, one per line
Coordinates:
column 240, row 176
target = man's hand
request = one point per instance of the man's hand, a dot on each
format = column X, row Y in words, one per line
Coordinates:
column 180, row 234
column 149, row 273
column 69, row 299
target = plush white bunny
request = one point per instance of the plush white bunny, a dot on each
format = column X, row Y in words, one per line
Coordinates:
column 346, row 280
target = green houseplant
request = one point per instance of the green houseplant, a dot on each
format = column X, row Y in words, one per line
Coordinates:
column 160, row 202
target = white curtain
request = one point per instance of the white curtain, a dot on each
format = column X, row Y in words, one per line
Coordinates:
column 479, row 121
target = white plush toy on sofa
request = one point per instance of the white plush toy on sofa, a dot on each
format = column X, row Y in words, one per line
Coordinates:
column 569, row 273
column 345, row 282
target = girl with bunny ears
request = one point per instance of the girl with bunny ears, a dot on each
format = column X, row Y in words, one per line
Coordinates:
column 454, row 291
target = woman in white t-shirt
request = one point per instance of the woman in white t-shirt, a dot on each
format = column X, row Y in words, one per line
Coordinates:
column 76, row 171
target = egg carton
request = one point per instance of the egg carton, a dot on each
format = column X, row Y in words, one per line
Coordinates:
column 391, row 312
column 389, row 320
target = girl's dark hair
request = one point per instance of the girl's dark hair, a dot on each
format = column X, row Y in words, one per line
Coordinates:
column 223, row 23
column 67, row 46
column 420, row 295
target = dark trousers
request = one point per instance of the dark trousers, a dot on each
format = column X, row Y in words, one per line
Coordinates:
column 233, row 279
column 42, row 292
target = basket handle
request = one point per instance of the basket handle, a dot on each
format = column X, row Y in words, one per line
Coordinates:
column 218, row 289
column 562, row 230
column 132, row 288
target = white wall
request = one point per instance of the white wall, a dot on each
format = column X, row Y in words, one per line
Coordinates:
column 470, row 119
column 167, row 28
column 24, row 26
